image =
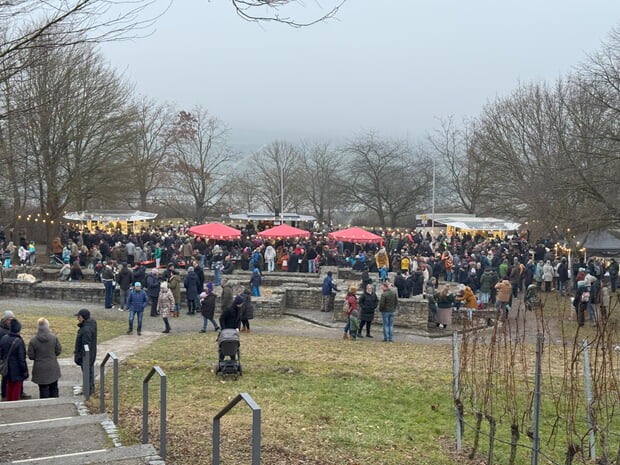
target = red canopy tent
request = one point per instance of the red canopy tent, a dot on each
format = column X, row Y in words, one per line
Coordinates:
column 355, row 235
column 283, row 231
column 215, row 231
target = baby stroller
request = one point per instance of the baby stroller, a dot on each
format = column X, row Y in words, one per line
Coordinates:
column 532, row 299
column 229, row 362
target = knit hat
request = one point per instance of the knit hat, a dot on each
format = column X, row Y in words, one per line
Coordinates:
column 164, row 285
column 137, row 284
column 8, row 314
column 210, row 286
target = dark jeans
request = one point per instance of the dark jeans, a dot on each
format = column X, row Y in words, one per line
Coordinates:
column 109, row 293
column 132, row 314
column 154, row 301
column 48, row 390
column 92, row 378
column 362, row 323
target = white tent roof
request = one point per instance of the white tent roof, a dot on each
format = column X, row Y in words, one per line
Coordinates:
column 110, row 215
column 472, row 222
column 257, row 216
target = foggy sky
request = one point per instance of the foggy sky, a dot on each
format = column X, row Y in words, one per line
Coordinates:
column 390, row 66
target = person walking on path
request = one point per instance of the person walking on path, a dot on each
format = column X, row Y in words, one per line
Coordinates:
column 136, row 303
column 387, row 306
column 44, row 348
column 87, row 335
column 327, row 302
column 207, row 308
column 13, row 349
column 165, row 305
column 368, row 302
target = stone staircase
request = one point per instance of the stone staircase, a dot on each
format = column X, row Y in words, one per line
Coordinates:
column 61, row 431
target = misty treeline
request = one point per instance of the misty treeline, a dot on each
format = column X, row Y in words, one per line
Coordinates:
column 74, row 135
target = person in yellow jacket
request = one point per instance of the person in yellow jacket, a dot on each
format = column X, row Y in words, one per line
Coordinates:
column 383, row 263
column 468, row 298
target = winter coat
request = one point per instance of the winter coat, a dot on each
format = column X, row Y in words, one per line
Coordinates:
column 227, row 296
column 207, row 306
column 152, row 286
column 444, row 301
column 137, row 300
column 487, row 280
column 165, row 303
column 352, row 299
column 469, row 298
column 18, row 369
column 382, row 260
column 368, row 304
column 125, row 278
column 388, row 301
column 87, row 335
column 547, row 272
column 174, row 284
column 139, row 275
column 416, row 283
column 328, row 285
column 400, row 282
column 255, row 280
column 43, row 349
column 247, row 308
column 504, row 289
column 191, row 285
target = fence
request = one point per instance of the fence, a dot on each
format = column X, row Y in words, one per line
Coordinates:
column 551, row 396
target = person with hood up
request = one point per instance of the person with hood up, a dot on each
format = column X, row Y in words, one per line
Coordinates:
column 152, row 290
column 165, row 305
column 13, row 349
column 44, row 348
column 247, row 311
column 255, row 282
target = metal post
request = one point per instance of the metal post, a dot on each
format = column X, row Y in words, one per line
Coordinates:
column 281, row 194
column 587, row 374
column 536, row 413
column 145, row 412
column 457, row 393
column 115, row 390
column 86, row 373
column 162, row 417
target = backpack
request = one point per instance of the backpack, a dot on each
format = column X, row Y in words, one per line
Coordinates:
column 346, row 308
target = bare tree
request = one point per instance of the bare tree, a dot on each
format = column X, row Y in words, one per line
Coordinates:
column 199, row 154
column 271, row 10
column 322, row 166
column 465, row 165
column 386, row 178
column 278, row 177
column 147, row 149
column 71, row 128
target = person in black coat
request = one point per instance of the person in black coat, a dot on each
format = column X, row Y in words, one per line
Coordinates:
column 87, row 335
column 12, row 346
column 368, row 302
column 416, row 283
column 191, row 284
column 230, row 318
column 152, row 289
column 400, row 283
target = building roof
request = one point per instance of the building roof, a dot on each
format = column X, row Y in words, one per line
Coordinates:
column 110, row 215
column 258, row 216
column 471, row 222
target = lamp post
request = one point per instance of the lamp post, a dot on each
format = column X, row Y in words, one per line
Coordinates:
column 281, row 194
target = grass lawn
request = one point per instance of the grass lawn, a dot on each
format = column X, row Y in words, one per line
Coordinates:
column 323, row 401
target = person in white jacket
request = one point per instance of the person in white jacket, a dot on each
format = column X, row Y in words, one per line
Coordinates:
column 270, row 257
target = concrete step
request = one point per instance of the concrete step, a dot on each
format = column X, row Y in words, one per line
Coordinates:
column 60, row 431
column 141, row 454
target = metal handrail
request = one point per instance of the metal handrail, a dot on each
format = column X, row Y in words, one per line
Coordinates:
column 109, row 355
column 162, row 413
column 255, row 428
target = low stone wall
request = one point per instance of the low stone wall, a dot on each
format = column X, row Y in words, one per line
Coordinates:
column 411, row 313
